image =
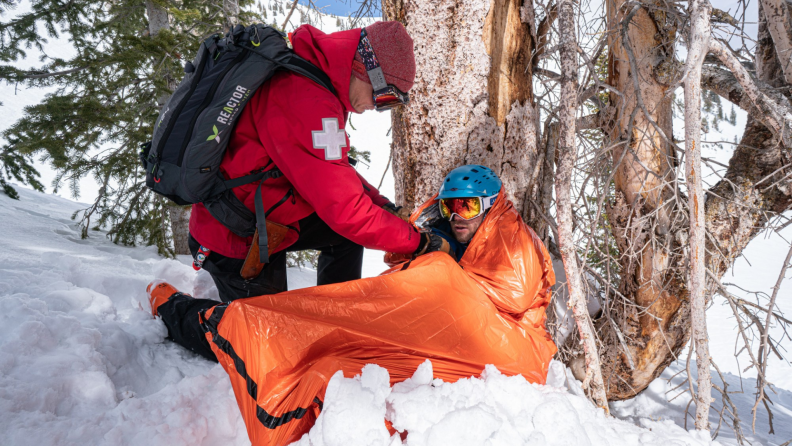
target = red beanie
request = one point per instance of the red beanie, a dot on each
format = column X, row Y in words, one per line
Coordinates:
column 394, row 50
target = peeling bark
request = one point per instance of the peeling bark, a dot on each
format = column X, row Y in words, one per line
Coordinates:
column 567, row 156
column 472, row 100
column 736, row 209
column 641, row 65
column 698, row 43
column 779, row 25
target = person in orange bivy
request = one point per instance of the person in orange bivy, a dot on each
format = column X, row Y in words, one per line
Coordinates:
column 487, row 307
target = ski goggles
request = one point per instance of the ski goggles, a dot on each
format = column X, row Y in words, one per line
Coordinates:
column 386, row 96
column 466, row 208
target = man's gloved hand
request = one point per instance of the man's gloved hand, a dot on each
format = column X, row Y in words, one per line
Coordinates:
column 399, row 211
column 432, row 243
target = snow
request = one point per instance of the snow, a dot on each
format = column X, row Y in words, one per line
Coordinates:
column 494, row 410
column 83, row 362
column 654, row 404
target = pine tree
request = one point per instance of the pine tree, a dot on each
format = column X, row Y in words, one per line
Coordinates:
column 107, row 98
column 15, row 165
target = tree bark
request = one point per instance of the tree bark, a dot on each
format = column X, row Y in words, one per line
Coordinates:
column 231, row 12
column 179, row 215
column 761, row 99
column 779, row 25
column 644, row 214
column 698, row 44
column 567, row 155
column 472, row 102
column 642, row 66
column 774, row 112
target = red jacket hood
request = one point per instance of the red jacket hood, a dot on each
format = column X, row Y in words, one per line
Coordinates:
column 333, row 53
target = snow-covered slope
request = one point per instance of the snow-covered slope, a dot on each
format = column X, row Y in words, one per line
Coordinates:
column 83, row 362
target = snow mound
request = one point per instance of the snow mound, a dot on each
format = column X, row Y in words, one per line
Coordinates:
column 493, row 410
column 82, row 362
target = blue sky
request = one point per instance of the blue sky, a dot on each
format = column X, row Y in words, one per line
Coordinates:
column 337, row 7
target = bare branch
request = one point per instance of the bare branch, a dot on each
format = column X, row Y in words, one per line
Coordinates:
column 567, row 155
column 288, row 16
column 698, row 42
column 778, row 118
column 764, row 346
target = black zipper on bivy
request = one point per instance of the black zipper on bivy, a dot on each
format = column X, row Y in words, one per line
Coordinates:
column 208, row 100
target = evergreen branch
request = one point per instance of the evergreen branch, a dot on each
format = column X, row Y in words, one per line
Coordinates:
column 57, row 73
column 26, row 18
column 104, row 103
column 6, row 5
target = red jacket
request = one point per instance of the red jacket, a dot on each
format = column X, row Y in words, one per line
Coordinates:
column 290, row 121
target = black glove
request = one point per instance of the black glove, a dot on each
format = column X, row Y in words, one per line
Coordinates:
column 398, row 211
column 432, row 243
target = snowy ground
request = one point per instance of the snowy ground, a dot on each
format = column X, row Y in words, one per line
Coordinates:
column 83, row 362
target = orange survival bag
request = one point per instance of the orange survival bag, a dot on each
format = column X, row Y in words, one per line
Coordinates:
column 281, row 350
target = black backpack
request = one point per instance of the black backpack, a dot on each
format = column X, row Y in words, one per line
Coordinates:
column 191, row 135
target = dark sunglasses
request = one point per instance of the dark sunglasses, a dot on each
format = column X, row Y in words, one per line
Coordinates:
column 386, row 96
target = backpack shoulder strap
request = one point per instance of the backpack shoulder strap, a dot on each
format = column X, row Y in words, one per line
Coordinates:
column 263, row 176
column 301, row 66
column 298, row 65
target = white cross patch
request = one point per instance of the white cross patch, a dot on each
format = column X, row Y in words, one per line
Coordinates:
column 330, row 138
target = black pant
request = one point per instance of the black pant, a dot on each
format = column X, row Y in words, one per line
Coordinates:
column 340, row 260
column 180, row 315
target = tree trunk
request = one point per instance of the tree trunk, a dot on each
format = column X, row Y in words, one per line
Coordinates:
column 567, row 156
column 472, row 102
column 642, row 66
column 179, row 215
column 645, row 213
column 698, row 44
column 778, row 23
column 231, row 12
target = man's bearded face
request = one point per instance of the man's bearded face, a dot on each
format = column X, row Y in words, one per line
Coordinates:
column 464, row 230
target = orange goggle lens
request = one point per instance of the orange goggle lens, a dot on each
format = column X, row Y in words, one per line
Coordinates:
column 386, row 102
column 467, row 207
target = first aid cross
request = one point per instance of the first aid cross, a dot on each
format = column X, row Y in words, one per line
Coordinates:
column 330, row 138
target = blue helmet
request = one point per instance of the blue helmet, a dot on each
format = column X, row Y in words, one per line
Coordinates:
column 471, row 180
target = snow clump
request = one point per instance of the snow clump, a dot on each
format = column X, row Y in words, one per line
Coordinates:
column 494, row 410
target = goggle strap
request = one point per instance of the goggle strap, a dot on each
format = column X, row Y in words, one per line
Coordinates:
column 366, row 51
column 375, row 73
column 487, row 202
column 377, row 78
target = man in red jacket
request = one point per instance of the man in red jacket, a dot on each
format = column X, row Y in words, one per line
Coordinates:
column 298, row 126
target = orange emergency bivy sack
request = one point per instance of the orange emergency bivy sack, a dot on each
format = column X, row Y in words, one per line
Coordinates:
column 281, row 350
